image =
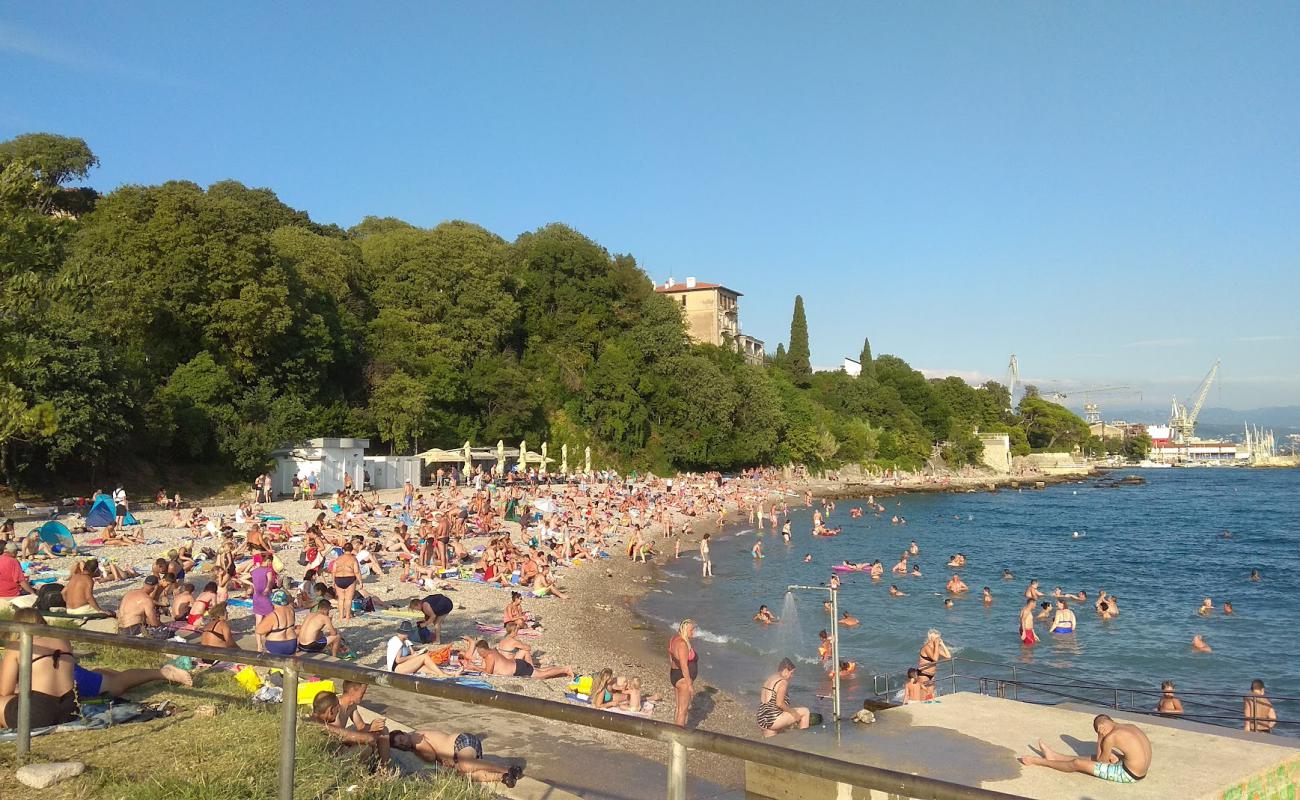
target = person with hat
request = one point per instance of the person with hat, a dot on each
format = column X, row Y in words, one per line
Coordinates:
column 278, row 630
column 138, row 611
column 15, row 590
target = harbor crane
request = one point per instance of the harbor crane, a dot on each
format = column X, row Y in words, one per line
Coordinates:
column 1092, row 411
column 1182, row 422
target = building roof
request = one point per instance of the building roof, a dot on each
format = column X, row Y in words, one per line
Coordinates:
column 681, row 287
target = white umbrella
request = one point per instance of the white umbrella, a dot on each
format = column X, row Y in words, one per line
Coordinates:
column 564, row 459
column 501, row 457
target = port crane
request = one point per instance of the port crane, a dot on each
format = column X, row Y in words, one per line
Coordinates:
column 1091, row 410
column 1182, row 422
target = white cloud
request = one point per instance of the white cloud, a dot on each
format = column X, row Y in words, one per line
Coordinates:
column 24, row 43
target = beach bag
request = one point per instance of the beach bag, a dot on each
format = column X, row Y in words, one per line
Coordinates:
column 247, row 678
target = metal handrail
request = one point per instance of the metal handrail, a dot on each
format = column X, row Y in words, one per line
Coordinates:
column 679, row 739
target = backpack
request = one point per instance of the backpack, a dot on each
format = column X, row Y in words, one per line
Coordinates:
column 50, row 596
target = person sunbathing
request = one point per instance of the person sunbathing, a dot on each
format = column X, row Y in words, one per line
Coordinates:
column 401, row 658
column 511, row 646
column 325, row 711
column 216, row 629
column 462, row 752
column 79, row 592
column 112, row 537
column 496, row 664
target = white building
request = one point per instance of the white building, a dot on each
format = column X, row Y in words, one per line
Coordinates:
column 852, row 367
column 330, row 459
column 392, row 472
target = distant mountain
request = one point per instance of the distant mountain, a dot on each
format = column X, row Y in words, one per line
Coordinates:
column 1212, row 421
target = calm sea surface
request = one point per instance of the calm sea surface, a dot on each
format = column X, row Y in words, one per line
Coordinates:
column 1158, row 547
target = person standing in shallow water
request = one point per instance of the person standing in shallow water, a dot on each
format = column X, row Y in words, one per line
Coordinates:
column 683, row 669
column 706, row 564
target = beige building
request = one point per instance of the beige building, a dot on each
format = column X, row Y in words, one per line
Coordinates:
column 712, row 315
column 997, row 452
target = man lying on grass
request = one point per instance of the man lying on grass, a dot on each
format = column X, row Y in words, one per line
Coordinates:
column 374, row 746
column 462, row 752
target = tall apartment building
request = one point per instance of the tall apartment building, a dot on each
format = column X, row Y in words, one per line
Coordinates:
column 712, row 315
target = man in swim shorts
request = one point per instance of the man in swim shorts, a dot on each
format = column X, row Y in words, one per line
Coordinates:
column 1027, row 635
column 462, row 752
column 1123, row 754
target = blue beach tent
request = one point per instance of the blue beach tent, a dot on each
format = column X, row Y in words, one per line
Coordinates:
column 56, row 534
column 103, row 512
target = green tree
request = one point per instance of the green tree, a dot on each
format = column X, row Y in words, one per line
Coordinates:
column 54, row 160
column 864, row 358
column 798, row 356
column 399, row 405
column 1050, row 427
column 1138, row 446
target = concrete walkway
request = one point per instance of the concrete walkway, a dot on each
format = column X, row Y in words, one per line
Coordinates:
column 974, row 740
column 570, row 760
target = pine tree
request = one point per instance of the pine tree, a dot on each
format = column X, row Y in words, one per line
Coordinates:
column 800, row 366
column 778, row 360
column 868, row 366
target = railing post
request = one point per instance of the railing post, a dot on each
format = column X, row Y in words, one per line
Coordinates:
column 288, row 729
column 24, row 745
column 677, row 771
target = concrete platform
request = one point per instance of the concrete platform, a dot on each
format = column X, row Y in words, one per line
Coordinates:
column 973, row 740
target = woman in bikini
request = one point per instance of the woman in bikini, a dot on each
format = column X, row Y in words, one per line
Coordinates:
column 1063, row 622
column 201, row 603
column 683, row 668
column 932, row 652
column 216, row 632
column 54, row 696
column 279, row 629
column 511, row 646
column 774, row 711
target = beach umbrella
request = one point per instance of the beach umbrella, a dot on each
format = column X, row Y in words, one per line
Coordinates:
column 543, row 467
column 564, row 459
column 587, row 458
column 469, row 462
column 523, row 455
column 501, row 457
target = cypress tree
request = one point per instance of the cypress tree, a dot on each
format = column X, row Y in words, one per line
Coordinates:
column 800, row 364
column 778, row 360
column 868, row 366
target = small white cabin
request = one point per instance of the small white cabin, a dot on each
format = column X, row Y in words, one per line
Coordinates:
column 330, row 459
column 392, row 472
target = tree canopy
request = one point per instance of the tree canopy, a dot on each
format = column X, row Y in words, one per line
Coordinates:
column 178, row 324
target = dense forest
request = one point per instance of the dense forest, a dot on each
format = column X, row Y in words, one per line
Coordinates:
column 180, row 325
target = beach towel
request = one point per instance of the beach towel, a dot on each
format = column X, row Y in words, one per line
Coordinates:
column 93, row 717
column 647, row 707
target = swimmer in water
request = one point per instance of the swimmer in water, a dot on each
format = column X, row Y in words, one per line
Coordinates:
column 847, row 668
column 1044, row 610
column 1254, row 574
column 901, row 567
column 1032, row 592
column 1227, row 608
column 807, row 559
column 1207, row 607
column 914, row 549
column 1007, row 576
column 765, row 616
column 757, row 549
column 1063, row 622
column 1106, row 611
column 848, row 619
column 947, row 603
column 956, row 585
column 894, row 591
column 916, row 571
column 1168, row 703
column 1199, row 645
column 988, row 596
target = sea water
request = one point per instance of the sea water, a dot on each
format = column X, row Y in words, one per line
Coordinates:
column 1158, row 547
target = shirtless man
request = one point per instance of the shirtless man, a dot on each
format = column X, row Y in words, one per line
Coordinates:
column 1123, row 754
column 462, row 752
column 988, row 596
column 325, row 711
column 317, row 631
column 79, row 592
column 894, row 591
column 347, row 572
column 1168, row 704
column 765, row 616
column 917, row 689
column 1032, row 592
column 181, row 601
column 1257, row 709
column 1027, row 635
column 496, row 664
column 956, row 585
column 137, row 610
column 1199, row 645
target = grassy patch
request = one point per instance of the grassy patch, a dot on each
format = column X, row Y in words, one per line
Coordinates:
column 233, row 755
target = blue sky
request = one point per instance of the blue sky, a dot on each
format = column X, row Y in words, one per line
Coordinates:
column 1109, row 190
